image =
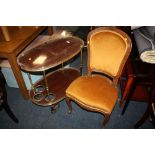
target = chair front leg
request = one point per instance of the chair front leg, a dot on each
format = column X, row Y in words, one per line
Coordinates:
column 106, row 119
column 68, row 102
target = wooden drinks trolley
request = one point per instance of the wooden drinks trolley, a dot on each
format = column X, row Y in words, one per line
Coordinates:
column 49, row 90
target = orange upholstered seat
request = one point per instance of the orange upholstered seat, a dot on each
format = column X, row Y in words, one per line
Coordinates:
column 87, row 91
column 108, row 50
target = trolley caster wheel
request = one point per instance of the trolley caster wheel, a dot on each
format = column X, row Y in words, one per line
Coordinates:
column 54, row 108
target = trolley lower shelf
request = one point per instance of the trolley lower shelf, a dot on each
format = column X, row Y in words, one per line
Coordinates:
column 58, row 81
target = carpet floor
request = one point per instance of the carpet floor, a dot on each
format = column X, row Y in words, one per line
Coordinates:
column 32, row 116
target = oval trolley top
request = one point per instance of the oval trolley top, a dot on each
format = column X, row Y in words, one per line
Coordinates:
column 50, row 54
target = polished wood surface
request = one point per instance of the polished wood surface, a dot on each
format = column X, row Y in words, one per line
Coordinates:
column 58, row 82
column 50, row 54
column 5, row 33
column 140, row 93
column 19, row 39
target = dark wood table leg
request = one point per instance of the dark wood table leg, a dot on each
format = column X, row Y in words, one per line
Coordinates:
column 149, row 111
column 143, row 118
column 129, row 89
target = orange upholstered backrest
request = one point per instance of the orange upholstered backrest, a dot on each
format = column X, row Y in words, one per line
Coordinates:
column 108, row 50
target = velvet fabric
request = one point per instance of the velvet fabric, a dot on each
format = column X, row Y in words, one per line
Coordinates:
column 96, row 91
column 107, row 52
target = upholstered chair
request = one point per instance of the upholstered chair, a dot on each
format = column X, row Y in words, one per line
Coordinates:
column 108, row 50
